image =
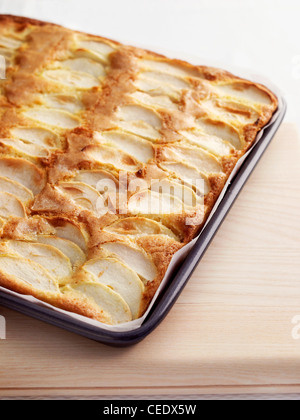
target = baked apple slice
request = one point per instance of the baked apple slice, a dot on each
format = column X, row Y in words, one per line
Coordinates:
column 68, row 248
column 120, row 278
column 134, row 258
column 27, row 273
column 106, row 299
column 24, row 172
column 11, row 206
column 53, row 260
column 16, row 189
column 139, row 226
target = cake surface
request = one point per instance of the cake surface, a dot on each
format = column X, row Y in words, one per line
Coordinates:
column 111, row 160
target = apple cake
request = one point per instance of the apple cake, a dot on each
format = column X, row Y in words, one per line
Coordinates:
column 111, row 160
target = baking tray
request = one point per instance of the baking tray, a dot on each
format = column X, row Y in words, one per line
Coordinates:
column 168, row 297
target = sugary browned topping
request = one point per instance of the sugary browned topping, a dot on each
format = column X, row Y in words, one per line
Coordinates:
column 111, row 159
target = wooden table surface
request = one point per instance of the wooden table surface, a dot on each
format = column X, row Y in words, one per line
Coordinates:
column 230, row 331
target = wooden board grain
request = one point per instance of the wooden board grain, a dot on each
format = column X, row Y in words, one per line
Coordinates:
column 231, row 330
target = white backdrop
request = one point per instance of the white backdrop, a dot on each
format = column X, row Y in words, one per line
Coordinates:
column 262, row 35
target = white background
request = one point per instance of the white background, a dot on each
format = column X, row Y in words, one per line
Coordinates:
column 263, row 35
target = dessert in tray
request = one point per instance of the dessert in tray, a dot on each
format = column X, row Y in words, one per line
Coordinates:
column 111, row 159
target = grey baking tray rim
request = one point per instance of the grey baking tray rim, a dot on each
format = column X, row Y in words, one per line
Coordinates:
column 172, row 291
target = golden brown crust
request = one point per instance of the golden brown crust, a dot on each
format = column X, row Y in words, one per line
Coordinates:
column 81, row 110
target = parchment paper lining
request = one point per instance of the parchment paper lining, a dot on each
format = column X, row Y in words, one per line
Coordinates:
column 180, row 255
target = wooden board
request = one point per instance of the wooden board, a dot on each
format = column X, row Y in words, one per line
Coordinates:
column 231, row 330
